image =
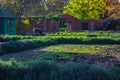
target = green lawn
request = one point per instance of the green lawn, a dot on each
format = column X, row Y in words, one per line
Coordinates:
column 69, row 51
column 77, row 49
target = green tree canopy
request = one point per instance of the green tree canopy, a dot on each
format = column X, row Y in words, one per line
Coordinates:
column 85, row 9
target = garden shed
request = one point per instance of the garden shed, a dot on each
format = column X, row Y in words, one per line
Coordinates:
column 7, row 22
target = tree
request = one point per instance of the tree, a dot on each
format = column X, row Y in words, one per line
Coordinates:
column 33, row 7
column 55, row 5
column 85, row 9
column 22, row 24
column 13, row 5
column 113, row 10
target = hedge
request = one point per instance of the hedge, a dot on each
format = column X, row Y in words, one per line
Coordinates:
column 42, row 70
column 20, row 45
column 6, row 38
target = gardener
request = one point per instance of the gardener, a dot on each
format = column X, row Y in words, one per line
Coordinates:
column 37, row 31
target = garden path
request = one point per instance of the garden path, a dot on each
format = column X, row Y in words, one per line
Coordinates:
column 22, row 55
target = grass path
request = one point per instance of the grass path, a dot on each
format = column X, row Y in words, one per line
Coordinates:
column 23, row 55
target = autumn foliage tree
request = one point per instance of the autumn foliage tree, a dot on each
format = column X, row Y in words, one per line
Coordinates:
column 114, row 8
column 13, row 5
column 85, row 9
column 33, row 7
column 55, row 5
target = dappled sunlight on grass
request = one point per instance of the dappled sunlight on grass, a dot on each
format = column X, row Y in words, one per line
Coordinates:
column 54, row 55
column 70, row 48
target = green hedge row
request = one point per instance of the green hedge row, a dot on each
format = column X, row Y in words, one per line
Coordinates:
column 87, row 34
column 70, row 34
column 6, row 38
column 42, row 70
column 20, row 45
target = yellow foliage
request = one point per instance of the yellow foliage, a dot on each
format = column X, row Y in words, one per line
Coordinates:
column 85, row 9
column 26, row 21
column 23, row 23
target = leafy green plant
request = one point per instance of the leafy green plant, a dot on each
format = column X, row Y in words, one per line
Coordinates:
column 62, row 29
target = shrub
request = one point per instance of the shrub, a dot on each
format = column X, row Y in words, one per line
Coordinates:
column 14, row 46
column 6, row 38
column 109, row 24
column 42, row 70
column 62, row 29
column 70, row 34
column 117, row 28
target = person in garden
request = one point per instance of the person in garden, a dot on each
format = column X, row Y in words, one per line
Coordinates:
column 37, row 31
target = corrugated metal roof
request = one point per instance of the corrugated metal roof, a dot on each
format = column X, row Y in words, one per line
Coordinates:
column 5, row 13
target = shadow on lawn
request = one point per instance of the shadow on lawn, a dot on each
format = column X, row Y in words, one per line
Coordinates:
column 98, row 59
column 110, row 59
